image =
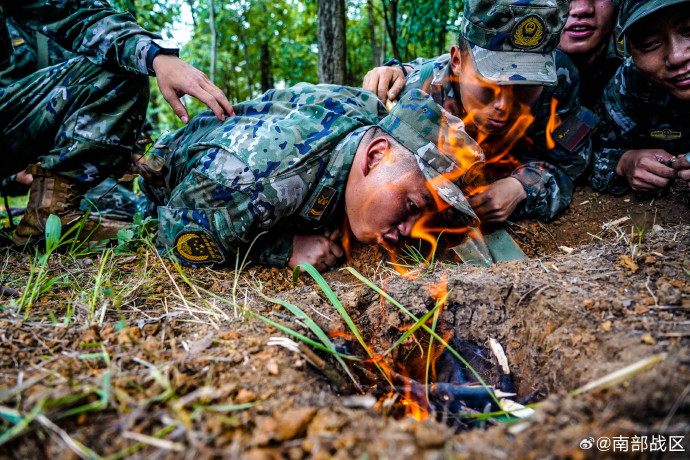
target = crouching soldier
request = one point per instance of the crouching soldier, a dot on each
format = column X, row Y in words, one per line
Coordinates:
column 80, row 117
column 502, row 78
column 298, row 164
column 645, row 133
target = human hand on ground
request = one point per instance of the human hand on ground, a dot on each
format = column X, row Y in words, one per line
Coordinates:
column 682, row 167
column 321, row 251
column 386, row 82
column 499, row 200
column 646, row 169
column 177, row 78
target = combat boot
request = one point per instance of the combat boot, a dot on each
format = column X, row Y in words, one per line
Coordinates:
column 53, row 194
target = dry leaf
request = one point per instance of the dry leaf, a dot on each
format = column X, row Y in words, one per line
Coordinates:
column 627, row 262
column 647, row 338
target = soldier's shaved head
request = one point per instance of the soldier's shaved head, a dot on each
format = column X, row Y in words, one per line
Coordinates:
column 386, row 192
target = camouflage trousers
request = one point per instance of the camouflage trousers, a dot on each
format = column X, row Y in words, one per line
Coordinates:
column 79, row 119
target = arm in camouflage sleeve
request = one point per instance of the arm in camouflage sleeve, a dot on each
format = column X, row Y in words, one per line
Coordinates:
column 611, row 137
column 548, row 174
column 88, row 27
column 231, row 217
column 549, row 190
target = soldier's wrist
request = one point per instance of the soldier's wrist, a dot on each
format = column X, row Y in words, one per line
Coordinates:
column 395, row 62
column 160, row 48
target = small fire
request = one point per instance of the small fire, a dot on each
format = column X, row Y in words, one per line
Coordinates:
column 554, row 122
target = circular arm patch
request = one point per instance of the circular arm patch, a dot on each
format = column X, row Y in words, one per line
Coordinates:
column 197, row 247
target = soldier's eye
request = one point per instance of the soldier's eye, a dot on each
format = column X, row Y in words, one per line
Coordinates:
column 646, row 45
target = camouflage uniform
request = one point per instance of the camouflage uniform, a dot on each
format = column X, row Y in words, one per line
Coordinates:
column 262, row 170
column 547, row 175
column 80, row 117
column 281, row 165
column 595, row 79
column 636, row 114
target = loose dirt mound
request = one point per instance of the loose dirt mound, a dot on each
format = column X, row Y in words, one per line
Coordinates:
column 153, row 362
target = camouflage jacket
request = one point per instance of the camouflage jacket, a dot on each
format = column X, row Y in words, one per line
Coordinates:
column 25, row 58
column 86, row 27
column 636, row 114
column 547, row 175
column 594, row 81
column 279, row 166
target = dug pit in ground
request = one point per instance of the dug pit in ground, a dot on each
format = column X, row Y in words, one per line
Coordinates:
column 564, row 322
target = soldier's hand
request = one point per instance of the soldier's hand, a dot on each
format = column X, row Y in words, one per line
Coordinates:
column 319, row 250
column 646, row 170
column 386, row 82
column 177, row 78
column 499, row 200
column 682, row 167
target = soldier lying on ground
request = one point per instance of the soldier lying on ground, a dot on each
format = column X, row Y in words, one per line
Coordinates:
column 644, row 136
column 298, row 164
column 503, row 73
column 589, row 40
column 80, row 118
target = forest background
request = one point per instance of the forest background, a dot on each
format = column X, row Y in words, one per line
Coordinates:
column 247, row 47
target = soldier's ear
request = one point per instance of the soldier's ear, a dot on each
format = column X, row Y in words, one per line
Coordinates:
column 456, row 60
column 377, row 152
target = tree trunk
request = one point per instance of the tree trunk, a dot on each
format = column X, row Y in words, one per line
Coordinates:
column 375, row 52
column 332, row 44
column 266, row 73
column 214, row 37
column 391, row 14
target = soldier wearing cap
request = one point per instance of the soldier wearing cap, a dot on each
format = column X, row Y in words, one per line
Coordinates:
column 644, row 136
column 503, row 73
column 297, row 164
column 80, row 117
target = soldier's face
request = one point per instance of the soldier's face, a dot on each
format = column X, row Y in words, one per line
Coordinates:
column 589, row 27
column 660, row 48
column 492, row 109
column 388, row 202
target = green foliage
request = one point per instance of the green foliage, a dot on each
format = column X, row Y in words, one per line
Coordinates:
column 262, row 44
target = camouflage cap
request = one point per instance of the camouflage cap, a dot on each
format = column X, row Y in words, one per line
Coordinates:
column 447, row 156
column 631, row 11
column 512, row 42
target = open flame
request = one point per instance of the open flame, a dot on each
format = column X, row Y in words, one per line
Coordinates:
column 474, row 174
column 554, row 122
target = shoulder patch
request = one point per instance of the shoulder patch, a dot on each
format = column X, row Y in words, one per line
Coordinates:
column 665, row 134
column 197, row 247
column 529, row 32
column 571, row 132
column 321, row 203
column 17, row 41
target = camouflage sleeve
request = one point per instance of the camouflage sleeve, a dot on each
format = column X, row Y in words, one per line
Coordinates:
column 613, row 135
column 547, row 171
column 571, row 149
column 88, row 27
column 416, row 63
column 549, row 190
column 414, row 76
column 229, row 218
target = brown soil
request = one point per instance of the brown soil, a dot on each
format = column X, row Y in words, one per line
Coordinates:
column 590, row 301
